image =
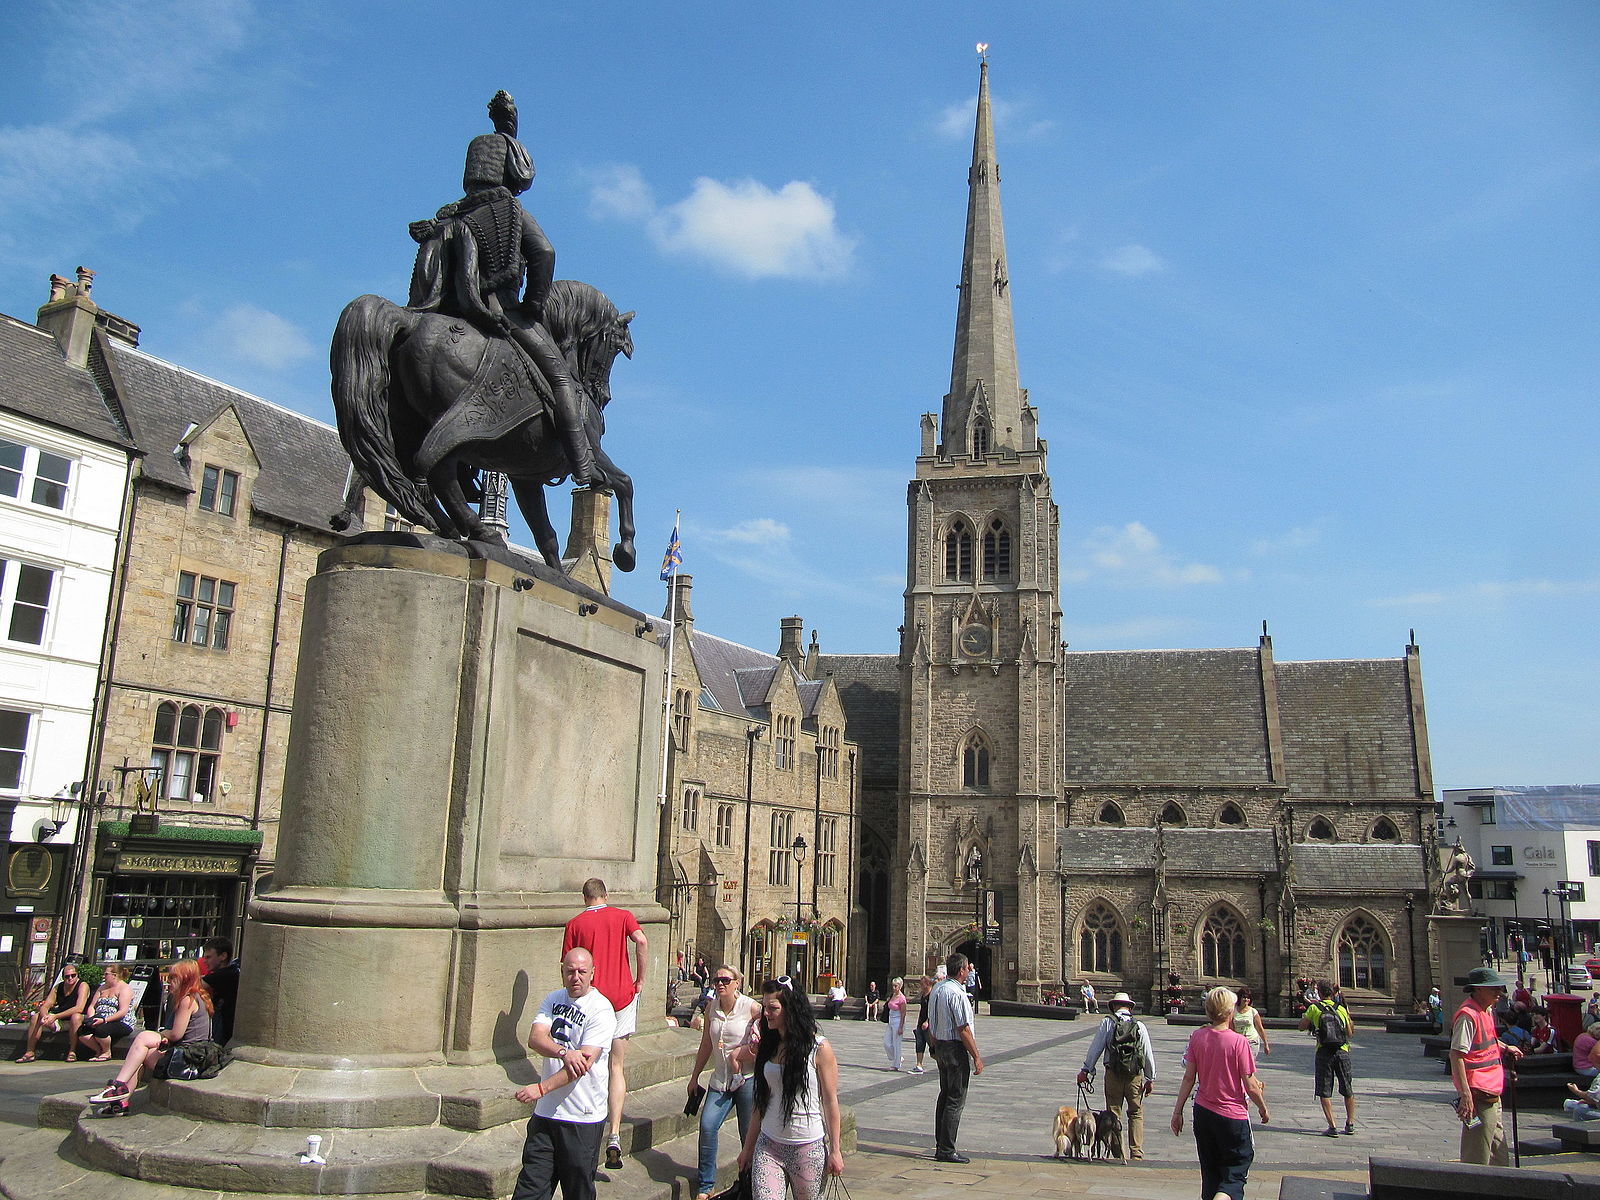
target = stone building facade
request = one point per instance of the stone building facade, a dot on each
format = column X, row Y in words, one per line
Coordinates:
column 758, row 767
column 1129, row 818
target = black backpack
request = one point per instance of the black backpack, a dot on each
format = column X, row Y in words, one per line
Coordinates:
column 1332, row 1032
column 1125, row 1052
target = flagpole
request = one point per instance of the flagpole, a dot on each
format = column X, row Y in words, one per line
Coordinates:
column 672, row 641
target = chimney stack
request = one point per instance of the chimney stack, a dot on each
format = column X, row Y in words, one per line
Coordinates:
column 678, row 606
column 69, row 316
column 789, row 641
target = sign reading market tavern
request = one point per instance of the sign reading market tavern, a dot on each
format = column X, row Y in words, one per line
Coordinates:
column 185, row 864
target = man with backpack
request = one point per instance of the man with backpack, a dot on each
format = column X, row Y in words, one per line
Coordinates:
column 1329, row 1022
column 1130, row 1066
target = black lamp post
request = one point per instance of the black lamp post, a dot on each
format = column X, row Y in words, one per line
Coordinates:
column 798, row 849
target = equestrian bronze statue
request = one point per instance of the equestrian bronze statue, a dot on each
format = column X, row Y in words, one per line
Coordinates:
column 491, row 366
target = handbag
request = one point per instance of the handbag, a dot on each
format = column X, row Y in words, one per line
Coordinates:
column 175, row 1064
column 738, row 1190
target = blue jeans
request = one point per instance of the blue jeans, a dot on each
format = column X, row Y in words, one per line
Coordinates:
column 713, row 1114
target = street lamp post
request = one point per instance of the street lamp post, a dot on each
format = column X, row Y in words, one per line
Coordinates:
column 798, row 849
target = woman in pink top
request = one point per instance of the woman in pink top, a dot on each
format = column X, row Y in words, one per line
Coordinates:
column 1586, row 1052
column 897, row 1022
column 1220, row 1061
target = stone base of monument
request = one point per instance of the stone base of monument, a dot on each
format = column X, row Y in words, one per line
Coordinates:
column 1562, row 1178
column 1455, row 947
column 472, row 738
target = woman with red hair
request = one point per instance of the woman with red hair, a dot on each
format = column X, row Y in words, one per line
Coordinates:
column 189, row 1009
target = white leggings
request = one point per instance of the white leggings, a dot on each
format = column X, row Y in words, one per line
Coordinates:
column 801, row 1163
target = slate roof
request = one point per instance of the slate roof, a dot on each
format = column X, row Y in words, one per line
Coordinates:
column 1347, row 728
column 36, row 382
column 1356, row 867
column 739, row 678
column 1189, row 851
column 869, row 690
column 1164, row 716
column 304, row 469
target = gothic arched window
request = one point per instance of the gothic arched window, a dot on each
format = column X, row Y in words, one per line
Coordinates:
column 975, row 762
column 1222, row 945
column 1363, row 955
column 1320, row 831
column 1231, row 814
column 1100, row 941
column 980, row 437
column 997, row 551
column 958, row 551
column 1172, row 814
column 1110, row 814
column 1384, row 831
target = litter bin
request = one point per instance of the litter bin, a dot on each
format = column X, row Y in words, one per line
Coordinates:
column 1566, row 1015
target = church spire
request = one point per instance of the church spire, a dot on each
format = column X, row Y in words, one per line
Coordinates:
column 985, row 403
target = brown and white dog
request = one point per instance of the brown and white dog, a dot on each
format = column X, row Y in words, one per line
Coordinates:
column 1074, row 1132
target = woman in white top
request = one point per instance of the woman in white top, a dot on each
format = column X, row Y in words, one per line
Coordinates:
column 1247, row 1022
column 797, row 1102
column 728, row 1020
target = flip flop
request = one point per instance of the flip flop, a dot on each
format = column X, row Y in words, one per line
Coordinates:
column 27, row 1058
column 71, row 1056
column 101, row 1058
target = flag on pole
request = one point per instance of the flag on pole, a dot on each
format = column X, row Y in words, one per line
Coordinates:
column 673, row 558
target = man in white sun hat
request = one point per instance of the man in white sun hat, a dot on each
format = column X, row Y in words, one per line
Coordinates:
column 1130, row 1066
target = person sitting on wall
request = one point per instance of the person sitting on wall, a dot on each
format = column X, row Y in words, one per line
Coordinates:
column 108, row 1019
column 189, row 1006
column 61, row 1009
column 222, row 977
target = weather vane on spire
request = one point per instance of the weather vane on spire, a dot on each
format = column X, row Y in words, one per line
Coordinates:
column 983, row 51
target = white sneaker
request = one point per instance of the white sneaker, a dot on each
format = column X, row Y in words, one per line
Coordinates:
column 918, row 1071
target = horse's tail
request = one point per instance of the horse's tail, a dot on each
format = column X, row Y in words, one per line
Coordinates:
column 363, row 400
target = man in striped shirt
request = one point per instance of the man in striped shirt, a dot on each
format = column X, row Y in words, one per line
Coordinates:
column 956, row 1052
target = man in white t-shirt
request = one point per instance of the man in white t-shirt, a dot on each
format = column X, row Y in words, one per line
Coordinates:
column 573, row 1030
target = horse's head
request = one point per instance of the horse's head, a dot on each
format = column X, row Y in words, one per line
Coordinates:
column 590, row 332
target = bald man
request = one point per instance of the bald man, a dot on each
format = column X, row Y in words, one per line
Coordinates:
column 573, row 1031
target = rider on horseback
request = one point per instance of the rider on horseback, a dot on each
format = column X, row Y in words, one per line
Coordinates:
column 472, row 259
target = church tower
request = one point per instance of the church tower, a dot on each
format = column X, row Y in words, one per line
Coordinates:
column 981, row 650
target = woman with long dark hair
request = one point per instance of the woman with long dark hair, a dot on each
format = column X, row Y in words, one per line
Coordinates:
column 795, row 1135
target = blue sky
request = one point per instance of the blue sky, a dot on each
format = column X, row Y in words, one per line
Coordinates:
column 1305, row 294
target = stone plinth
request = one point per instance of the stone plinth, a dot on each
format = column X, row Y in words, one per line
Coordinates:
column 1455, row 946
column 471, row 740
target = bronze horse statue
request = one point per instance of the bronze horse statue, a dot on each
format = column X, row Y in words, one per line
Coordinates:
column 424, row 400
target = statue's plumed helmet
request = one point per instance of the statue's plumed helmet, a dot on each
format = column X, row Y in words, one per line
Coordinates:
column 496, row 159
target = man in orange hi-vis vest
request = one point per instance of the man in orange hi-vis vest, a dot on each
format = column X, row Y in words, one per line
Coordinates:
column 1476, row 1070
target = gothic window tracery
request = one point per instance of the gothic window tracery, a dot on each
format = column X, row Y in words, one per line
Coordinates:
column 980, row 438
column 1231, row 814
column 975, row 761
column 996, row 551
column 1320, row 831
column 1100, row 941
column 1110, row 814
column 1172, row 814
column 1222, row 945
column 1384, row 831
column 1363, row 955
column 958, row 551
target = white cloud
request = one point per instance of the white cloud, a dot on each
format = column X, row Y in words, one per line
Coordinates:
column 758, row 531
column 620, row 192
column 1011, row 119
column 1133, row 260
column 1494, row 591
column 1133, row 556
column 264, row 339
column 1301, row 537
column 744, row 227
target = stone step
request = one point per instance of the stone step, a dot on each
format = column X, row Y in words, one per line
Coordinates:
column 1408, row 1179
column 1578, row 1135
column 1537, row 1147
column 1303, row 1187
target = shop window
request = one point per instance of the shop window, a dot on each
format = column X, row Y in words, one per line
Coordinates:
column 187, row 746
column 1100, row 941
column 219, row 491
column 33, row 475
column 14, row 727
column 162, row 917
column 828, row 940
column 25, row 592
column 204, row 612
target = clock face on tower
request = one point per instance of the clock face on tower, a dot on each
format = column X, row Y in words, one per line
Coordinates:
column 975, row 641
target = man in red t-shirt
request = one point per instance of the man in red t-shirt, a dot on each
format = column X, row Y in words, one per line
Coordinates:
column 606, row 933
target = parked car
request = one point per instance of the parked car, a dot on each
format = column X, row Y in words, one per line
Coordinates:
column 1579, row 979
column 1594, row 967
